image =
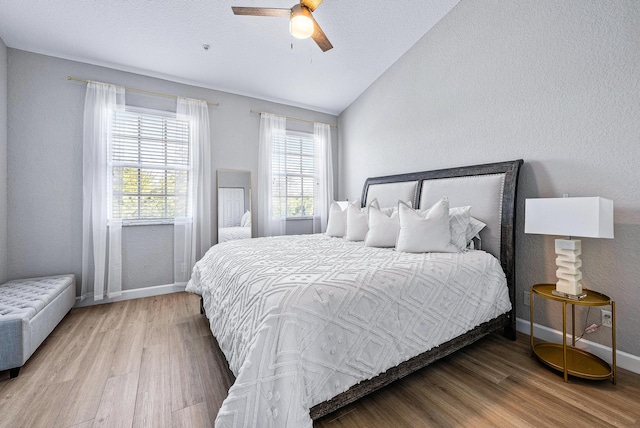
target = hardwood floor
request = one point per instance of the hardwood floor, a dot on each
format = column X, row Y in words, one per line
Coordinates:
column 153, row 363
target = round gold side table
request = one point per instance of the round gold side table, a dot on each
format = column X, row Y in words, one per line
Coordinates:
column 569, row 359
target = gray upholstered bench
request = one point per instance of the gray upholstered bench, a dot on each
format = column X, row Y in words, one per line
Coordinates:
column 29, row 311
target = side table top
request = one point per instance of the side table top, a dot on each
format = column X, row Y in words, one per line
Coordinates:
column 593, row 297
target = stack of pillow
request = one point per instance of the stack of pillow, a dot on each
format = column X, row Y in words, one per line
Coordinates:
column 437, row 229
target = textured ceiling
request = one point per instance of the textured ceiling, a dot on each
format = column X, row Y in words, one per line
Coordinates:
column 253, row 56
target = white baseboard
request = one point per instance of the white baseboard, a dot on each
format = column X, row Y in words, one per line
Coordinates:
column 132, row 294
column 623, row 359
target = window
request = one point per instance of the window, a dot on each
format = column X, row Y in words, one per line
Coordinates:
column 150, row 164
column 294, row 175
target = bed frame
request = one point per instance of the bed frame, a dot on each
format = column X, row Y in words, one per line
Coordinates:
column 492, row 185
column 459, row 184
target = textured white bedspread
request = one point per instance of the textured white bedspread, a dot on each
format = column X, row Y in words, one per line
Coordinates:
column 303, row 318
column 232, row 233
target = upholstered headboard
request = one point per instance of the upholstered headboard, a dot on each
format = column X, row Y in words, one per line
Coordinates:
column 483, row 193
column 489, row 189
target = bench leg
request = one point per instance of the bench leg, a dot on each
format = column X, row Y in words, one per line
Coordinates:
column 13, row 373
column 201, row 306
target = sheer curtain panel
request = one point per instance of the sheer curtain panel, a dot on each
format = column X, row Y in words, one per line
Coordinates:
column 324, row 176
column 192, row 222
column 99, row 229
column 272, row 214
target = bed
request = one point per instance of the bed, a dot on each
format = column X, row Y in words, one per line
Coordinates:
column 233, row 233
column 239, row 228
column 311, row 323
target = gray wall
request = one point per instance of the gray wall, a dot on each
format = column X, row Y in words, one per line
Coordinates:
column 556, row 83
column 45, row 163
column 3, row 162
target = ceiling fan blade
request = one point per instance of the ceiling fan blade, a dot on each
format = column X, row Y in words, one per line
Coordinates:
column 262, row 11
column 311, row 4
column 320, row 38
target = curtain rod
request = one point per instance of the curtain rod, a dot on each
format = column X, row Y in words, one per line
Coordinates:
column 293, row 118
column 160, row 94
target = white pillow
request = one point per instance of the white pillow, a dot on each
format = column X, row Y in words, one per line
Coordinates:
column 390, row 210
column 459, row 218
column 383, row 228
column 245, row 221
column 357, row 222
column 337, row 223
column 474, row 228
column 425, row 231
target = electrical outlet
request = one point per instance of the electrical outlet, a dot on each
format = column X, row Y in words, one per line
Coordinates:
column 607, row 320
column 526, row 298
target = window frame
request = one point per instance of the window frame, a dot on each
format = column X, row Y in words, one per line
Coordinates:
column 111, row 164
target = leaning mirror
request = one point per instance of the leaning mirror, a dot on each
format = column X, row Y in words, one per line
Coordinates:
column 234, row 205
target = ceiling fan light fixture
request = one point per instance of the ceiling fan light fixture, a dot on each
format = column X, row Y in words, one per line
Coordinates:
column 301, row 24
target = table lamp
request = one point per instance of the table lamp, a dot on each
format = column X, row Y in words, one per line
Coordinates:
column 590, row 217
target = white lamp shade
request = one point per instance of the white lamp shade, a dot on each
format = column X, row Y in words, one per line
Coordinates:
column 590, row 217
column 301, row 24
column 301, row 27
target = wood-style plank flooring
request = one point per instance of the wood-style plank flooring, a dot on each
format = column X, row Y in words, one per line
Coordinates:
column 153, row 363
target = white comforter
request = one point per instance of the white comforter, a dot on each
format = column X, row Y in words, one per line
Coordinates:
column 232, row 233
column 303, row 318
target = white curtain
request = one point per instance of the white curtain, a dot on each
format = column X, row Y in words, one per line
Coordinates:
column 271, row 165
column 324, row 176
column 192, row 224
column 99, row 230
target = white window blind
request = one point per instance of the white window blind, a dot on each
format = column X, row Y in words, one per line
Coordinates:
column 293, row 175
column 150, row 163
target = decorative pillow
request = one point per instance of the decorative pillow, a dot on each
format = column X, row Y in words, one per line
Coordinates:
column 357, row 224
column 459, row 218
column 425, row 231
column 337, row 223
column 474, row 228
column 390, row 210
column 383, row 228
column 245, row 221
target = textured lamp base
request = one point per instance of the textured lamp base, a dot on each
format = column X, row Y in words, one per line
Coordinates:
column 569, row 263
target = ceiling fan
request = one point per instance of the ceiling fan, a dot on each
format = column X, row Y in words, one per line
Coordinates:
column 301, row 22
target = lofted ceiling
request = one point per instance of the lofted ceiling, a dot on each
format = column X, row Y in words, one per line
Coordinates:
column 252, row 56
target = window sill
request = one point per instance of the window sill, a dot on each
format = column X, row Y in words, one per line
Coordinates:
column 298, row 218
column 164, row 222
